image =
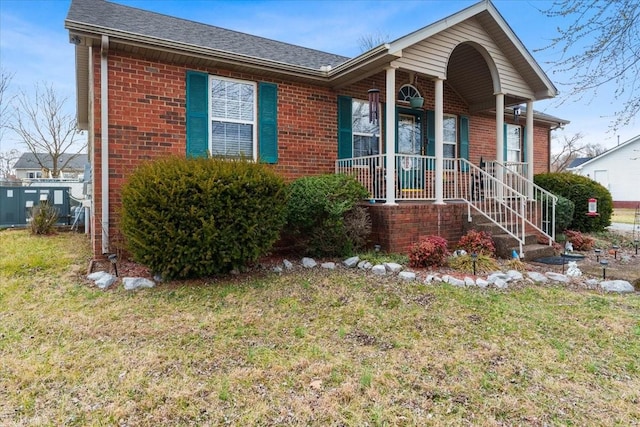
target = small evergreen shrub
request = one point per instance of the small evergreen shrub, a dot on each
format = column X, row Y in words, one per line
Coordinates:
column 323, row 216
column 429, row 251
column 579, row 189
column 565, row 209
column 579, row 241
column 43, row 218
column 484, row 264
column 199, row 217
column 479, row 242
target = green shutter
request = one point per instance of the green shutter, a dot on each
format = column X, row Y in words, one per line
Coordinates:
column 345, row 134
column 197, row 114
column 268, row 122
column 464, row 141
column 431, row 136
column 524, row 144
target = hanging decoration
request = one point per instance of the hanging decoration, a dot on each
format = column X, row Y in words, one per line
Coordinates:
column 374, row 102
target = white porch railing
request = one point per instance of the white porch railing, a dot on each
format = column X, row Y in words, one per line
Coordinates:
column 498, row 192
column 541, row 215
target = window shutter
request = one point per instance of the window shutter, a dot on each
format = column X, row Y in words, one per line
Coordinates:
column 197, row 114
column 464, row 141
column 431, row 136
column 268, row 122
column 524, row 144
column 345, row 134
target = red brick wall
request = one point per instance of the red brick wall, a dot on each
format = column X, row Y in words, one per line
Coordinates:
column 396, row 228
column 147, row 121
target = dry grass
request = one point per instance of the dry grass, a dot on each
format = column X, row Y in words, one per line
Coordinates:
column 624, row 216
column 305, row 348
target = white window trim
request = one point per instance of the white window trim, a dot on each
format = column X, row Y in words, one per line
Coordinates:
column 454, row 143
column 519, row 150
column 353, row 132
column 255, row 113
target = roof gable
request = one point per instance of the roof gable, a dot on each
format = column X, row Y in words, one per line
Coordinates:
column 635, row 141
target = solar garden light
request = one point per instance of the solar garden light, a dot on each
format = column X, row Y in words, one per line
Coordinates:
column 604, row 263
column 113, row 259
column 376, row 248
column 615, row 251
column 635, row 242
column 474, row 258
column 597, row 251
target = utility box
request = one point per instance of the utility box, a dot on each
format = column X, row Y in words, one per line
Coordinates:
column 16, row 203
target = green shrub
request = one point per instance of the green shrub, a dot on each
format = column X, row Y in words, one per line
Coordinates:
column 429, row 251
column 565, row 209
column 579, row 189
column 43, row 218
column 199, row 217
column 322, row 214
column 479, row 242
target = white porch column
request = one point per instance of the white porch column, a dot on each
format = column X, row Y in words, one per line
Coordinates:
column 439, row 135
column 390, row 129
column 529, row 153
column 499, row 172
column 499, row 127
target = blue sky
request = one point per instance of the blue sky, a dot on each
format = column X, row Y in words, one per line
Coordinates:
column 34, row 44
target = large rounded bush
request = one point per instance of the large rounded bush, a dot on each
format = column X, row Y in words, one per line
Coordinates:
column 579, row 189
column 322, row 214
column 198, row 217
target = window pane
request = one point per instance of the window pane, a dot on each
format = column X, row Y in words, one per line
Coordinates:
column 231, row 139
column 366, row 135
column 232, row 100
column 449, row 151
column 365, row 145
column 450, row 133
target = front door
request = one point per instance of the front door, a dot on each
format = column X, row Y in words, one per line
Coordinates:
column 410, row 143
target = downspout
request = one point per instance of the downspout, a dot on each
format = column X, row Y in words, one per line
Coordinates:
column 104, row 141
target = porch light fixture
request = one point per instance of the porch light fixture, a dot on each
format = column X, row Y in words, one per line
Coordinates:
column 597, row 251
column 374, row 101
column 604, row 263
column 516, row 114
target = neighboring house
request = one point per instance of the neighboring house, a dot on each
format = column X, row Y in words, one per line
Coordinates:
column 577, row 162
column 39, row 166
column 618, row 170
column 151, row 85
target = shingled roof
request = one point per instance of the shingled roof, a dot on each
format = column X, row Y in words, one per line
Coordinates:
column 132, row 21
column 30, row 161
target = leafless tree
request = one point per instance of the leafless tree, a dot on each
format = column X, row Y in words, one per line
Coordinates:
column 570, row 148
column 600, row 46
column 5, row 80
column 7, row 161
column 369, row 41
column 45, row 128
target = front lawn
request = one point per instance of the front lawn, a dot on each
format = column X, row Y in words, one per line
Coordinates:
column 304, row 348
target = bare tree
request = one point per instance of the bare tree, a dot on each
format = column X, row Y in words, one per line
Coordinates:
column 369, row 41
column 7, row 161
column 5, row 80
column 45, row 128
column 570, row 149
column 600, row 46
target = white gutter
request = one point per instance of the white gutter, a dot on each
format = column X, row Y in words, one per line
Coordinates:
column 104, row 141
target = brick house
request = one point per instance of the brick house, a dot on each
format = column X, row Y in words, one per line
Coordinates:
column 438, row 124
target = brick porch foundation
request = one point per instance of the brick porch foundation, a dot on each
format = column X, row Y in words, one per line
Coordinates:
column 395, row 228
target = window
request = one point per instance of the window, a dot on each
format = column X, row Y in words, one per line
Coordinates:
column 228, row 117
column 513, row 143
column 232, row 113
column 407, row 92
column 450, row 136
column 366, row 135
